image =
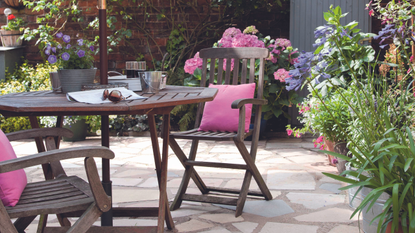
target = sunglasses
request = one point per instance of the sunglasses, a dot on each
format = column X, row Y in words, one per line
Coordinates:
column 114, row 96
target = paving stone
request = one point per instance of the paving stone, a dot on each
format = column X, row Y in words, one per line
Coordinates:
column 344, row 229
column 132, row 173
column 334, row 188
column 222, row 218
column 126, row 181
column 151, row 182
column 294, row 152
column 290, row 180
column 326, row 179
column 315, row 200
column 328, row 215
column 308, row 159
column 245, row 227
column 187, row 210
column 237, row 184
column 271, row 227
column 272, row 208
column 193, row 225
column 133, row 195
column 217, row 230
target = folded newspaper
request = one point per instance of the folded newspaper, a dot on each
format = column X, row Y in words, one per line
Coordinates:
column 95, row 96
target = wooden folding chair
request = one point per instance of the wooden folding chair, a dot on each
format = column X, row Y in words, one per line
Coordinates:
column 59, row 193
column 241, row 75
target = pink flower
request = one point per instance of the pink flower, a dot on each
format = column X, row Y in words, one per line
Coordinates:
column 319, row 139
column 322, row 147
column 411, row 59
column 231, row 32
column 293, row 61
column 193, row 63
column 298, row 135
column 289, row 132
column 334, row 161
column 281, row 75
column 371, row 12
column 307, row 108
column 232, row 64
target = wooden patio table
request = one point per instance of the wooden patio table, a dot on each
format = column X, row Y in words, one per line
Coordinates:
column 47, row 103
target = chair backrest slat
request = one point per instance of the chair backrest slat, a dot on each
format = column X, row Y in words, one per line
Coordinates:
column 252, row 70
column 235, row 79
column 220, row 56
column 243, row 71
column 228, row 71
column 220, row 69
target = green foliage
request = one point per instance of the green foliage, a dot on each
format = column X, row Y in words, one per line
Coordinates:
column 26, row 78
column 14, row 23
column 185, row 114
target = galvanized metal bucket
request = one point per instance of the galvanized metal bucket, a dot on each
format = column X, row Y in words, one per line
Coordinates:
column 150, row 82
column 73, row 79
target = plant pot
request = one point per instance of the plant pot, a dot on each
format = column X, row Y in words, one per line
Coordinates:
column 263, row 124
column 340, row 148
column 389, row 228
column 79, row 129
column 14, row 3
column 377, row 208
column 73, row 79
column 10, row 38
column 354, row 199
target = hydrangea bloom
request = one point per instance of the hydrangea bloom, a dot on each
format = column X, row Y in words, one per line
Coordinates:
column 281, row 75
column 193, row 63
column 251, row 30
column 231, row 32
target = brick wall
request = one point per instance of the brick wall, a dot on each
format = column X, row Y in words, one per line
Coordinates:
column 272, row 23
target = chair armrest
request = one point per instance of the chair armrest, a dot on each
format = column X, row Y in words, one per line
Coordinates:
column 39, row 132
column 55, row 155
column 240, row 102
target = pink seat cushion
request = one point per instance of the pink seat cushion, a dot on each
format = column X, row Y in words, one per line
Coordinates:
column 218, row 114
column 11, row 183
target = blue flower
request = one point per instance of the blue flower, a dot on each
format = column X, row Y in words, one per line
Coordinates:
column 52, row 59
column 322, row 31
column 66, row 38
column 54, row 49
column 47, row 51
column 65, row 56
column 59, row 35
column 59, row 46
column 68, row 46
column 91, row 48
column 80, row 42
column 81, row 53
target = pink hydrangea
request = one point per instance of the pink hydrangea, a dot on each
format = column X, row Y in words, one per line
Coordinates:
column 231, row 32
column 283, row 43
column 232, row 64
column 226, row 42
column 193, row 63
column 281, row 75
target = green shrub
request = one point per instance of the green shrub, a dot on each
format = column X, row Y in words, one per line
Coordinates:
column 26, row 78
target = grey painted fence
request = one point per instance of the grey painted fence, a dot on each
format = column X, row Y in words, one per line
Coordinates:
column 306, row 15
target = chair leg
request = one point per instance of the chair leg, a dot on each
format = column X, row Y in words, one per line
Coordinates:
column 189, row 172
column 253, row 169
column 22, row 223
column 86, row 220
column 243, row 194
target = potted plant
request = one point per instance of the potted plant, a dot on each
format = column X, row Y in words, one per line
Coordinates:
column 381, row 133
column 281, row 60
column 12, row 31
column 79, row 125
column 75, row 61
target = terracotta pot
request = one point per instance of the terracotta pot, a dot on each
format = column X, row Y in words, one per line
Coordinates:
column 328, row 145
column 389, row 228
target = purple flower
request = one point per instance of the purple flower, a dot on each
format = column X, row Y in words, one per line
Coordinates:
column 59, row 46
column 65, row 56
column 66, row 38
column 59, row 35
column 47, row 51
column 52, row 59
column 322, row 31
column 68, row 46
column 54, row 49
column 80, row 42
column 91, row 48
column 81, row 53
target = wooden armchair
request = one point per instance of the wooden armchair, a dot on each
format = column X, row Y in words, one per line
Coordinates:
column 59, row 193
column 240, row 75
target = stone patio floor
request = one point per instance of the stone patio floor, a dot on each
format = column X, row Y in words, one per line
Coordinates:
column 304, row 199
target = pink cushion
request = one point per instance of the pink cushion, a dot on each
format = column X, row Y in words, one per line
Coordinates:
column 218, row 114
column 11, row 183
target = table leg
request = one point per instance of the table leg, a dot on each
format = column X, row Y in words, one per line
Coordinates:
column 161, row 169
column 106, row 218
